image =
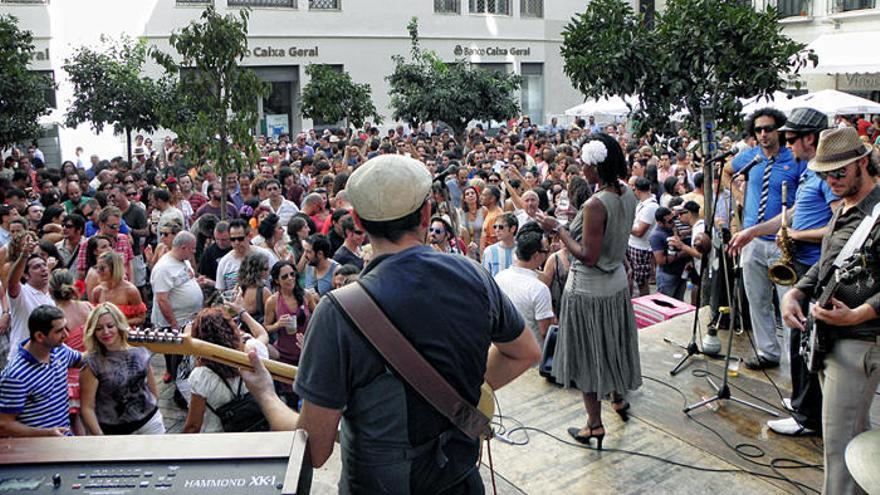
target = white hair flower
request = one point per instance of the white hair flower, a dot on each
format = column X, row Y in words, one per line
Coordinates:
column 594, row 152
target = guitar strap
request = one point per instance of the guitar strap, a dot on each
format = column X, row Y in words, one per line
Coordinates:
column 368, row 317
column 858, row 237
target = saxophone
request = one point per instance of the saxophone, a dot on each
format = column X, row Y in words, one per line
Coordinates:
column 782, row 272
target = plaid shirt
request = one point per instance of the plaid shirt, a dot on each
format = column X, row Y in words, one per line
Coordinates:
column 123, row 248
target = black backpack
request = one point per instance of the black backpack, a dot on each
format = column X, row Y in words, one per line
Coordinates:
column 242, row 413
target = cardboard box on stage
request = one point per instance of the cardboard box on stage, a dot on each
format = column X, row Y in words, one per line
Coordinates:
column 654, row 308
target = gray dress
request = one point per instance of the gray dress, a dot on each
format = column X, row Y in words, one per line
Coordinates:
column 597, row 350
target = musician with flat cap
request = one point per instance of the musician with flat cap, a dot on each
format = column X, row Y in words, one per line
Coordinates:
column 447, row 307
column 852, row 367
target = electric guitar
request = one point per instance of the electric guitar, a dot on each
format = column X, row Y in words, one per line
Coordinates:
column 170, row 341
column 817, row 340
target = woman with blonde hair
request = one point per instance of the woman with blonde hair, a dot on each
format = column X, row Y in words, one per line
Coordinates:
column 115, row 289
column 63, row 290
column 117, row 388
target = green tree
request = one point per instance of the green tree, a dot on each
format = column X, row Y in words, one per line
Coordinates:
column 22, row 92
column 331, row 96
column 109, row 89
column 212, row 99
column 428, row 89
column 699, row 52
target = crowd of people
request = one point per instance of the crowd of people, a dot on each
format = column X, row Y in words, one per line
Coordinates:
column 568, row 223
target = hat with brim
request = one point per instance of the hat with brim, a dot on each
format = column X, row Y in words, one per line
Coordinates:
column 805, row 120
column 388, row 187
column 837, row 148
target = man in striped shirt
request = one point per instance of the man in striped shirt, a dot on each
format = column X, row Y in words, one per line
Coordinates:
column 33, row 386
column 500, row 256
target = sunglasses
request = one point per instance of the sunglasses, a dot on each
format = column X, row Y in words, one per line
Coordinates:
column 236, row 239
column 113, row 227
column 285, row 276
column 131, row 194
column 127, row 181
column 836, row 174
column 792, row 139
column 436, row 231
column 765, row 128
column 68, row 225
column 498, row 227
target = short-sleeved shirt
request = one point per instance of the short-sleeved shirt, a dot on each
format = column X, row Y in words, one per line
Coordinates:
column 36, row 392
column 20, row 309
column 284, row 212
column 207, row 384
column 123, row 395
column 660, row 242
column 92, row 228
column 813, row 211
column 123, row 248
column 321, row 285
column 177, row 278
column 645, row 213
column 498, row 257
column 450, row 310
column 530, row 296
column 785, row 168
column 344, row 256
column 136, row 218
column 227, row 267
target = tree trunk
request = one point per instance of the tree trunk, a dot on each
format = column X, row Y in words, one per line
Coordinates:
column 128, row 142
column 222, row 166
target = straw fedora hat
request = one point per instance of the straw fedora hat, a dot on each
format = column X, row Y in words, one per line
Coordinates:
column 838, row 148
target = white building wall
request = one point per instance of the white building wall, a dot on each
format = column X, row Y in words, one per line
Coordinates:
column 362, row 37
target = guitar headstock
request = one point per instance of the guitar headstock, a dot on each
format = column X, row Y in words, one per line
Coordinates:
column 853, row 267
column 163, row 340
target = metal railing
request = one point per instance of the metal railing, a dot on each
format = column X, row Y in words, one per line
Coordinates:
column 531, row 8
column 447, row 6
column 325, row 4
column 496, row 7
column 290, row 4
column 850, row 5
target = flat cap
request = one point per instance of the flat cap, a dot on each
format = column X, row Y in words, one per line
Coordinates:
column 805, row 120
column 388, row 187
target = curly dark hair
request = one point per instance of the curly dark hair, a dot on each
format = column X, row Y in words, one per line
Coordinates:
column 251, row 270
column 212, row 325
column 779, row 118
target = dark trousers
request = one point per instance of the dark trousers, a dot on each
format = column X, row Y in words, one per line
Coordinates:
column 806, row 393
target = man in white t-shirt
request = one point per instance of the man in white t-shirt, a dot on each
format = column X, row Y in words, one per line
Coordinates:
column 278, row 204
column 177, row 296
column 23, row 299
column 227, row 267
column 521, row 285
column 638, row 250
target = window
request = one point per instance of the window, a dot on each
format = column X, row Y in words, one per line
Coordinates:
column 50, row 92
column 792, row 8
column 447, row 6
column 648, row 9
column 531, row 8
column 497, row 7
column 262, row 3
column 532, row 91
column 195, row 2
column 848, row 5
column 325, row 4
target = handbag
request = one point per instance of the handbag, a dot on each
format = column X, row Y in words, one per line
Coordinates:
column 360, row 309
column 240, row 414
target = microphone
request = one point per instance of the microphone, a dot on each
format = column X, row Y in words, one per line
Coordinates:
column 745, row 170
column 722, row 156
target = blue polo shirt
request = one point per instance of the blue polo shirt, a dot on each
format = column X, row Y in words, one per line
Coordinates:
column 813, row 211
column 785, row 168
column 36, row 392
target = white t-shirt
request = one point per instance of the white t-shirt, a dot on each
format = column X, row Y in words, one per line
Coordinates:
column 696, row 230
column 644, row 213
column 227, row 268
column 530, row 296
column 285, row 212
column 178, row 279
column 21, row 308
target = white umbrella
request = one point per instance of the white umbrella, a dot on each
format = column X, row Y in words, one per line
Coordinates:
column 833, row 102
column 777, row 100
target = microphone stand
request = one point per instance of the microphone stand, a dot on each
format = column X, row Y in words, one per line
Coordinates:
column 723, row 390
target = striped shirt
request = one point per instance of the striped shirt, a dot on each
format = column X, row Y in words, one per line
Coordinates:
column 497, row 257
column 36, row 392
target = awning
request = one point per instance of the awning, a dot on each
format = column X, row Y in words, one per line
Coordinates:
column 845, row 53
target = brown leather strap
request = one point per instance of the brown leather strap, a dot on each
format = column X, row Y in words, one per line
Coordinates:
column 366, row 315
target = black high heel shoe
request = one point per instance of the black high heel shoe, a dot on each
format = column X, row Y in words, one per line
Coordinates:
column 622, row 411
column 585, row 439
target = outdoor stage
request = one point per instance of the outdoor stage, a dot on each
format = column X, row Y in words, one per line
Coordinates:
column 656, row 426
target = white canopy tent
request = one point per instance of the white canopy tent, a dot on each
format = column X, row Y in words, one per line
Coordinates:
column 777, row 100
column 845, row 53
column 614, row 106
column 833, row 102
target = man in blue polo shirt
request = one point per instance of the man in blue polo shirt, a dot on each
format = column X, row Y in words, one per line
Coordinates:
column 773, row 166
column 33, row 386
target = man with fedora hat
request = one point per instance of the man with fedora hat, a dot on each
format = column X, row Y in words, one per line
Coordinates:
column 852, row 368
column 391, row 438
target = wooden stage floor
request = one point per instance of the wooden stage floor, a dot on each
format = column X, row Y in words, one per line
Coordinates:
column 657, row 427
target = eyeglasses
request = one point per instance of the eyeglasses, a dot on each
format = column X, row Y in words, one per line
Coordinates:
column 358, row 232
column 792, row 139
column 836, row 174
column 113, row 227
column 164, row 234
column 273, row 188
column 437, row 231
column 285, row 276
column 68, row 225
column 494, row 181
column 236, row 239
column 498, row 227
column 131, row 194
column 128, row 181
column 765, row 128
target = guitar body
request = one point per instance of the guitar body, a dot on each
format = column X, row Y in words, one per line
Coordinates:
column 816, row 343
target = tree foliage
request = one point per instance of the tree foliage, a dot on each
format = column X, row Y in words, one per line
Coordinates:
column 428, row 89
column 22, row 92
column 212, row 99
column 331, row 96
column 109, row 89
column 699, row 52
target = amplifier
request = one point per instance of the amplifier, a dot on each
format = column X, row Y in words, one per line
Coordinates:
column 212, row 463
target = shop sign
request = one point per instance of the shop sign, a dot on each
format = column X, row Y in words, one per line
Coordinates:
column 39, row 56
column 491, row 51
column 870, row 82
column 280, row 52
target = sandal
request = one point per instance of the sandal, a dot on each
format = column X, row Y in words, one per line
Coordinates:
column 622, row 410
column 585, row 439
